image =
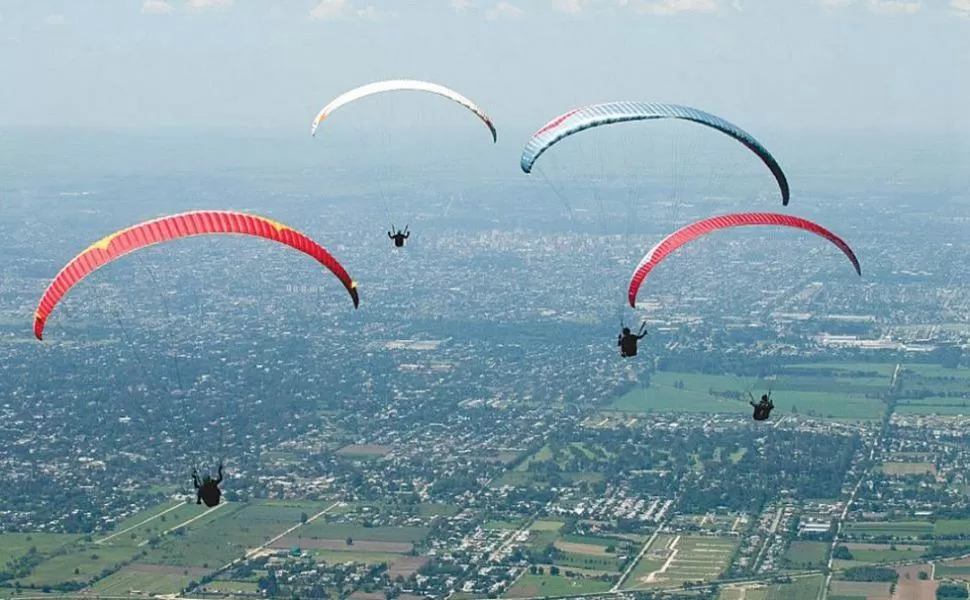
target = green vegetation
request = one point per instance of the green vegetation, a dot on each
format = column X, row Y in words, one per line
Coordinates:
column 16, row 545
column 869, row 573
column 813, row 395
column 951, row 528
column 342, row 531
column 126, row 580
column 806, row 555
column 555, row 585
column 802, row 588
column 888, row 529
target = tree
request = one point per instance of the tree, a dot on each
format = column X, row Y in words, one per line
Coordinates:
column 304, row 518
column 350, row 541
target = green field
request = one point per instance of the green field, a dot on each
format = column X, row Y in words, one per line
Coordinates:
column 805, row 588
column 124, row 581
column 943, row 570
column 339, row 556
column 80, row 565
column 153, row 513
column 952, row 527
column 542, row 455
column 340, row 531
column 607, row 563
column 807, row 555
column 837, row 398
column 547, row 525
column 902, row 552
column 894, row 529
column 504, row 525
column 883, row 369
column 931, row 405
column 554, row 585
column 591, row 540
column 944, row 384
column 16, row 545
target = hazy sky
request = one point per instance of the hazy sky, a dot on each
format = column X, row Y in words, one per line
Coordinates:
column 272, row 63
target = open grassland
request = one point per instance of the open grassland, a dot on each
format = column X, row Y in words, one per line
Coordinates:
column 902, row 530
column 554, row 585
column 145, row 580
column 605, row 563
column 546, row 525
column 16, row 545
column 336, row 557
column 956, row 569
column 807, row 555
column 860, row 589
column 884, row 553
column 813, row 395
column 934, row 405
column 342, row 531
column 802, row 588
column 287, row 542
column 908, row 468
column 951, row 527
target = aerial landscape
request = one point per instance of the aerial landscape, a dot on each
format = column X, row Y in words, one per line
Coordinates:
column 473, row 424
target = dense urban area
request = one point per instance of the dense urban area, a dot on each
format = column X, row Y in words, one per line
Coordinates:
column 471, row 431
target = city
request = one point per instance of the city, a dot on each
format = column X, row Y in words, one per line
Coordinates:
column 471, row 432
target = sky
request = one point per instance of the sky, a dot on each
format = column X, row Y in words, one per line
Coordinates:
column 899, row 65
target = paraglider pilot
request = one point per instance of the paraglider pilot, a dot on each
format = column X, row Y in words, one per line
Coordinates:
column 400, row 236
column 207, row 490
column 762, row 409
column 627, row 341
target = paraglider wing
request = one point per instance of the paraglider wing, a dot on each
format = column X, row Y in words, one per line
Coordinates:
column 401, row 84
column 595, row 115
column 695, row 230
column 174, row 227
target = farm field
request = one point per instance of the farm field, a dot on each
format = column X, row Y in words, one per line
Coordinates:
column 164, row 548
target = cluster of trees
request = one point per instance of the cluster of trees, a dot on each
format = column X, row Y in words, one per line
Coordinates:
column 947, row 591
column 871, row 573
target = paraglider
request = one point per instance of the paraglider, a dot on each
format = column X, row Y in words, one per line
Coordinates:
column 762, row 409
column 173, row 227
column 595, row 115
column 627, row 341
column 398, row 85
column 400, row 236
column 682, row 236
column 207, row 489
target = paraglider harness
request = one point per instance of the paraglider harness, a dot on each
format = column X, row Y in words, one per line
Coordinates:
column 399, row 237
column 762, row 409
column 207, row 490
column 627, row 341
